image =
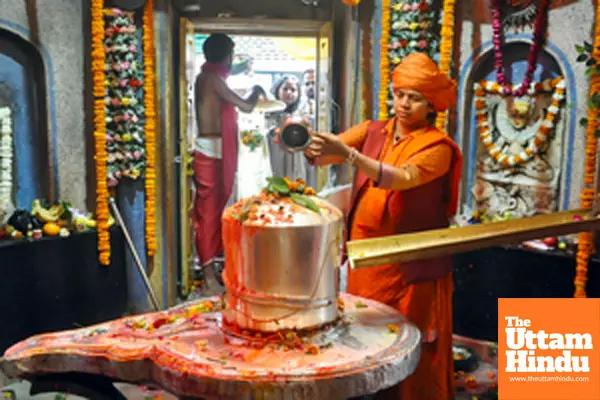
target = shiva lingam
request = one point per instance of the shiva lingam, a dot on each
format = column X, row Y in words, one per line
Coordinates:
column 282, row 330
column 284, row 250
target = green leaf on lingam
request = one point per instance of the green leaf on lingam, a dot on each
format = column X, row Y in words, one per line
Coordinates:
column 305, row 201
column 277, row 185
column 245, row 212
column 579, row 48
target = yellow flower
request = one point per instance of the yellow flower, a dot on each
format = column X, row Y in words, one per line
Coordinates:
column 125, row 101
column 413, row 26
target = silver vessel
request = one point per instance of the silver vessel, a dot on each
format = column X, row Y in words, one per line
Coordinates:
column 284, row 277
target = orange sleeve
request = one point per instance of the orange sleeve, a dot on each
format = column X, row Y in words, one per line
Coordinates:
column 423, row 167
column 354, row 137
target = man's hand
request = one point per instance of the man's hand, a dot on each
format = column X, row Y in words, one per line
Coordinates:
column 258, row 92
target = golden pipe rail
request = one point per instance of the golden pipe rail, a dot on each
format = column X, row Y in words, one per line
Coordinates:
column 443, row 242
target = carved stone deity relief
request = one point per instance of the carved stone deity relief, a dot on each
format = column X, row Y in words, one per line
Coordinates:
column 527, row 188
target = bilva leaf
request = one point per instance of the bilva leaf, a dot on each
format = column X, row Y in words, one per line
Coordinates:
column 582, row 57
column 306, row 202
column 579, row 48
column 278, row 185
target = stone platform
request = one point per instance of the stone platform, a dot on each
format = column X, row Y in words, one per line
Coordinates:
column 187, row 351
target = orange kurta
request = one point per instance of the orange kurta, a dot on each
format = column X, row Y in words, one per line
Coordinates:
column 427, row 304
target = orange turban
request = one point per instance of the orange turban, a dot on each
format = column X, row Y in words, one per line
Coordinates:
column 419, row 72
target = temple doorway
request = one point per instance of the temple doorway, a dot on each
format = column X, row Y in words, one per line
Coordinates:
column 292, row 62
column 285, row 68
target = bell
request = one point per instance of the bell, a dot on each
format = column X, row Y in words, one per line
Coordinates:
column 295, row 135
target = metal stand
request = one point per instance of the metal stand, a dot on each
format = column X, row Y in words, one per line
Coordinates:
column 134, row 252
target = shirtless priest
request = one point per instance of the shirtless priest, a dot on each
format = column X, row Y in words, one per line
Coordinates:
column 216, row 147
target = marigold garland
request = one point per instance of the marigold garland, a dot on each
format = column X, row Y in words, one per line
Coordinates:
column 446, row 44
column 384, row 61
column 150, row 106
column 586, row 243
column 101, row 155
column 557, row 86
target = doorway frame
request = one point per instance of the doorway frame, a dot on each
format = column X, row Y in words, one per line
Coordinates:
column 237, row 27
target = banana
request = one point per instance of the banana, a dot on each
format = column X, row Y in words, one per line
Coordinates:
column 43, row 214
column 57, row 210
column 91, row 223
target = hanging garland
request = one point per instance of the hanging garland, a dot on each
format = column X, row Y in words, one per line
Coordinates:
column 546, row 128
column 541, row 23
column 101, row 155
column 124, row 109
column 585, row 246
column 406, row 28
column 447, row 34
column 6, row 162
column 150, row 106
column 384, row 74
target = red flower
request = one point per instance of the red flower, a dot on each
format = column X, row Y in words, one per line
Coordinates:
column 403, row 43
column 423, row 7
column 159, row 322
column 134, row 83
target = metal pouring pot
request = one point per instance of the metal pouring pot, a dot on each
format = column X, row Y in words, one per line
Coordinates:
column 295, row 134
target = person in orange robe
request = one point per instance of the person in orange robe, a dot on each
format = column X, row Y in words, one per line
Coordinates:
column 407, row 180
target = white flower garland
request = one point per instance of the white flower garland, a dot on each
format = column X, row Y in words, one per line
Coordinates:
column 557, row 86
column 6, row 163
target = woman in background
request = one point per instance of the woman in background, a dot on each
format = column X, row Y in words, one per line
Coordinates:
column 283, row 163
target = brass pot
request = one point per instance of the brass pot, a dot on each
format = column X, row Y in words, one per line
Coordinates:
column 295, row 135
